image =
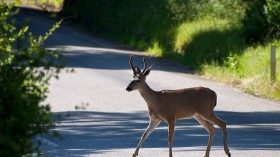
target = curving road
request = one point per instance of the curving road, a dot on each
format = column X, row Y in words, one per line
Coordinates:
column 99, row 118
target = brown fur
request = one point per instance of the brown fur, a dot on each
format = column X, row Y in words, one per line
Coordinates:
column 172, row 105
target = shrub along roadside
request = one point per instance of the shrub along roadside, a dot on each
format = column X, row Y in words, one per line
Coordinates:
column 207, row 40
column 25, row 70
column 249, row 71
column 262, row 21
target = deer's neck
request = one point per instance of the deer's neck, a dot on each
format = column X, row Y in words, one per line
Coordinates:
column 148, row 94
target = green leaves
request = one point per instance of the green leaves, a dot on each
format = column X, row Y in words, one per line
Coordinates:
column 262, row 20
column 232, row 63
column 272, row 12
column 25, row 70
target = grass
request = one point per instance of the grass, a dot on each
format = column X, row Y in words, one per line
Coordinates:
column 187, row 32
column 202, row 41
column 216, row 49
column 252, row 73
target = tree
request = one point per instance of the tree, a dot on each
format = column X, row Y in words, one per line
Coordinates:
column 272, row 12
column 25, row 70
column 262, row 20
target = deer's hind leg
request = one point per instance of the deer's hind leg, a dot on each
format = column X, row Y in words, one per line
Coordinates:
column 222, row 124
column 211, row 130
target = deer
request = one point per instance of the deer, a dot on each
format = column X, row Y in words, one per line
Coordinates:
column 172, row 105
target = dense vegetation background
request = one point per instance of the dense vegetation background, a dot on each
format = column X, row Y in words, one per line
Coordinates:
column 227, row 40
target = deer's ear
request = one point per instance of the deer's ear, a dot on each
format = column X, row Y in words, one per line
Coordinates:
column 137, row 70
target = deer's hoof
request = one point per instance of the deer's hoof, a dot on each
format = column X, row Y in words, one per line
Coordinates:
column 229, row 155
column 134, row 155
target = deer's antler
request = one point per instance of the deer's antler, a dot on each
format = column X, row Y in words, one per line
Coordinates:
column 131, row 65
column 145, row 65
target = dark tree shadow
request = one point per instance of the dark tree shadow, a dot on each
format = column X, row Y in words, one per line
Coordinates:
column 213, row 46
column 97, row 132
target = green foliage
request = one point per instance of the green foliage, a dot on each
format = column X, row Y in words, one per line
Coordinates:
column 207, row 40
column 124, row 20
column 232, row 62
column 272, row 12
column 25, row 70
column 249, row 71
column 144, row 20
column 147, row 25
column 255, row 24
column 182, row 10
column 221, row 9
column 262, row 20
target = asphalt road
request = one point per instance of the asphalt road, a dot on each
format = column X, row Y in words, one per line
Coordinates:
column 99, row 118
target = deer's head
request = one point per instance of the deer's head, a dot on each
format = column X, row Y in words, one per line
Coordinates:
column 139, row 77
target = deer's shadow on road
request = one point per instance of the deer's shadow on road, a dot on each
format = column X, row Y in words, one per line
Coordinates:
column 97, row 132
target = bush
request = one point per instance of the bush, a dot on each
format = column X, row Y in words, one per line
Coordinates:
column 124, row 19
column 272, row 12
column 25, row 70
column 207, row 41
column 255, row 23
column 262, row 20
column 249, row 71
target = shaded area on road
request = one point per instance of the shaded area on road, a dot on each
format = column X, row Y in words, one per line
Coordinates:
column 99, row 132
column 101, row 58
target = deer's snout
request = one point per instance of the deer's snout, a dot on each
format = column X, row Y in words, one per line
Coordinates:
column 128, row 89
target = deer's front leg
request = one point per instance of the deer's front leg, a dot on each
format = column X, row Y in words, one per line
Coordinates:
column 171, row 128
column 154, row 122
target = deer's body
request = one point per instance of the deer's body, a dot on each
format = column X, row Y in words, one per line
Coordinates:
column 186, row 104
column 172, row 105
